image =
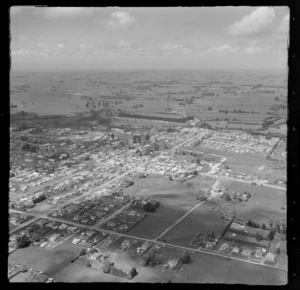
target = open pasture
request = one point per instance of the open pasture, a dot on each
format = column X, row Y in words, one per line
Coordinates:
column 201, row 220
column 48, row 261
column 154, row 223
column 228, row 271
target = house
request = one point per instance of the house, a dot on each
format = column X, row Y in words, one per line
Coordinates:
column 76, row 241
column 90, row 233
column 76, row 218
column 235, row 250
column 171, row 264
column 123, row 227
column 54, row 237
column 63, row 226
column 224, row 247
column 111, row 224
column 84, row 221
column 52, row 225
column 246, row 252
column 270, row 257
column 259, row 253
column 209, row 245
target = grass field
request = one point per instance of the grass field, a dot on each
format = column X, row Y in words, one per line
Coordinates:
column 154, row 223
column 241, row 187
column 220, row 270
column 173, row 193
column 258, row 168
column 201, row 220
column 48, row 261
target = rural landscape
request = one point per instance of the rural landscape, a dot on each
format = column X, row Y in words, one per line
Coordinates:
column 149, row 175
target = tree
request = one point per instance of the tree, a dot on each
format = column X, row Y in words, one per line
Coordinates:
column 132, row 273
column 145, row 260
column 263, row 226
column 258, row 237
column 185, row 258
column 150, row 207
column 209, row 108
column 271, row 235
column 228, row 198
column 22, row 241
column 276, row 99
column 198, row 161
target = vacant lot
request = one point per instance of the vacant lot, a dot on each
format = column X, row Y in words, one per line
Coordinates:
column 201, row 220
column 264, row 205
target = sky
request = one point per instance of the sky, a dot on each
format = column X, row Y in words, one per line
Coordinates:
column 149, row 38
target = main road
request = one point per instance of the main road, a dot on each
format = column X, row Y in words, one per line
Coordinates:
column 36, row 215
column 96, row 228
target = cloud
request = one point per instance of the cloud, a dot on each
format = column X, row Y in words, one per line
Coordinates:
column 124, row 44
column 120, row 19
column 23, row 52
column 84, row 49
column 85, row 46
column 223, row 49
column 257, row 21
column 41, row 44
column 254, row 50
column 45, row 52
column 60, row 46
column 171, row 48
column 263, row 47
column 22, row 37
column 64, row 12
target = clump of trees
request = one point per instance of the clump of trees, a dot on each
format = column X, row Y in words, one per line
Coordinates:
column 259, row 237
column 29, row 147
column 151, row 206
column 252, row 224
column 109, row 268
column 23, row 127
column 151, row 259
column 24, row 138
column 210, row 236
column 271, row 235
column 185, row 258
column 36, row 130
column 22, row 241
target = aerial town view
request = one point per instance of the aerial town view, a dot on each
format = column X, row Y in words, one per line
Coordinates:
column 148, row 145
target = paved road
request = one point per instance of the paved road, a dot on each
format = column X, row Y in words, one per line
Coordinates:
column 135, row 237
column 242, row 180
column 150, row 240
